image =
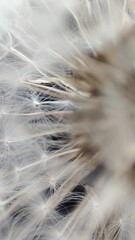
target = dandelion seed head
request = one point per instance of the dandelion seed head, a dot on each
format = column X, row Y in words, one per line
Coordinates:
column 67, row 119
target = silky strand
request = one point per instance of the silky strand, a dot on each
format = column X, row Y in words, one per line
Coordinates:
column 67, row 120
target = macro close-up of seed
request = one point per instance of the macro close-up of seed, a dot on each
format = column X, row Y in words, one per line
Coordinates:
column 67, row 120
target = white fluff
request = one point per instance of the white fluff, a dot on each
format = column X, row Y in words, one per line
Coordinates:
column 40, row 42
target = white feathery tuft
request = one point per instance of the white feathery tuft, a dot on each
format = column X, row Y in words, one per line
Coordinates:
column 67, row 145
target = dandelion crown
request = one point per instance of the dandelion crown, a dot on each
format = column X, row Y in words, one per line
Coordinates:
column 67, row 120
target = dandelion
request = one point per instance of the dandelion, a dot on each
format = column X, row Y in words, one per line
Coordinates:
column 67, row 119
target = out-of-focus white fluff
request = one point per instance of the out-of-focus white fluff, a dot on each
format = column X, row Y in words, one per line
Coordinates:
column 39, row 42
